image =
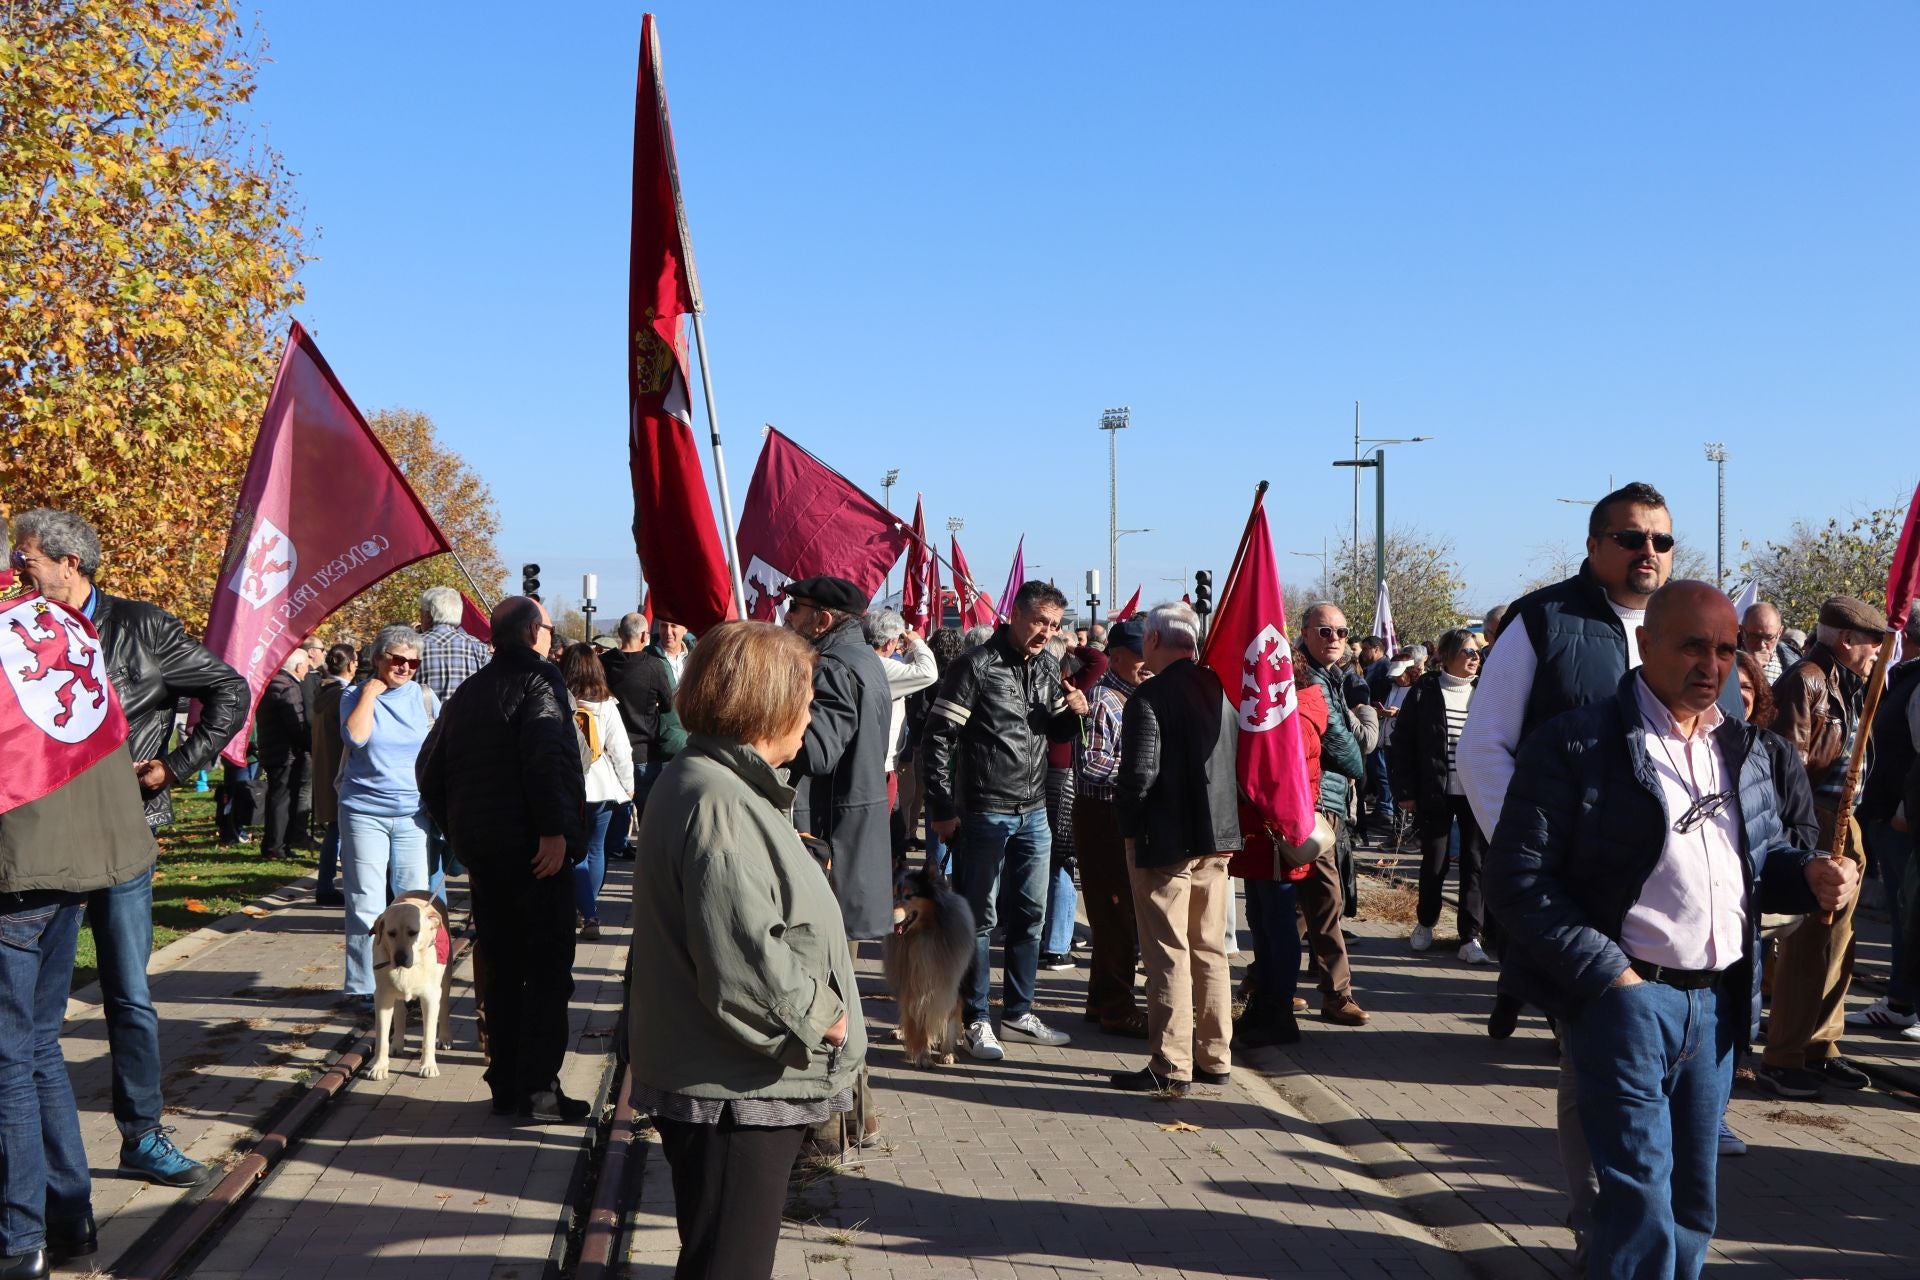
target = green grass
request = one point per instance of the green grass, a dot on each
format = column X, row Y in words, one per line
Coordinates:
column 197, row 881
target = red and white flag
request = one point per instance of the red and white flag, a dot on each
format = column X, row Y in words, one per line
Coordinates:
column 975, row 609
column 804, row 518
column 324, row 514
column 1247, row 648
column 59, row 714
column 673, row 525
column 474, row 621
column 919, row 597
column 1128, row 609
column 1903, row 580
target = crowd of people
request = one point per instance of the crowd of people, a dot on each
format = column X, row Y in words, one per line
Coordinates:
column 1639, row 789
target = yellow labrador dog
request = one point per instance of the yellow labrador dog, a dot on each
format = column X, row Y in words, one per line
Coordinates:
column 411, row 951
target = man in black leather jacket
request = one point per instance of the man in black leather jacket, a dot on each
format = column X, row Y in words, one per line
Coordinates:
column 986, row 765
column 1179, row 808
column 501, row 775
column 153, row 663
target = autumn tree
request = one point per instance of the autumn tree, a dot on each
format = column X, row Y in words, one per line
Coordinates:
column 1424, row 585
column 147, row 257
column 1834, row 559
column 459, row 499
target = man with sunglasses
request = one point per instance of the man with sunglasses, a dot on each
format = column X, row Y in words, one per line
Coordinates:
column 153, row 663
column 1321, row 895
column 1636, row 849
column 1818, row 706
column 1566, row 646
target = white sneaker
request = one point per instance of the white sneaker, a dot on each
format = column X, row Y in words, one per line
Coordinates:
column 1882, row 1016
column 1422, row 938
column 982, row 1043
column 1473, row 953
column 1911, row 1033
column 1029, row 1027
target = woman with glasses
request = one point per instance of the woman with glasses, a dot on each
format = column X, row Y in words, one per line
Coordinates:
column 383, row 827
column 1426, row 782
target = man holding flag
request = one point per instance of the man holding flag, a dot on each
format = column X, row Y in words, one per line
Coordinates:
column 71, row 825
column 153, row 664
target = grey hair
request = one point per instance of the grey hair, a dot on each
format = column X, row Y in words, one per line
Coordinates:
column 441, row 604
column 1316, row 607
column 1058, row 645
column 295, row 660
column 633, row 626
column 883, row 627
column 1829, row 636
column 397, row 636
column 977, row 636
column 1177, row 626
column 59, row 533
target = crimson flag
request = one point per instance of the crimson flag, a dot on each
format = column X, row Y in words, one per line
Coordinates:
column 975, row 609
column 323, row 515
column 1016, row 575
column 59, row 715
column 673, row 525
column 1247, row 649
column 804, row 518
column 1903, row 581
column 1128, row 609
column 474, row 622
column 919, row 597
column 936, row 596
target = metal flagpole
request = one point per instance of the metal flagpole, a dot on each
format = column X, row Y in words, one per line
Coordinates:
column 468, row 575
column 720, row 470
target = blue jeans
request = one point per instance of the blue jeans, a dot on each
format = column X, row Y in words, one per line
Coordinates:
column 1276, row 949
column 43, row 1163
column 440, row 861
column 591, row 872
column 939, row 853
column 329, row 856
column 1382, row 786
column 1888, row 851
column 1056, row 935
column 1653, row 1066
column 378, row 853
column 122, row 922
column 1000, row 868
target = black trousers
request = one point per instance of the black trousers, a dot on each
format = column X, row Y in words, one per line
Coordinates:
column 1433, row 868
column 729, row 1186
column 286, row 774
column 525, row 926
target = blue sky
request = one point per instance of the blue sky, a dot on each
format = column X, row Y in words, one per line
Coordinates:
column 1567, row 245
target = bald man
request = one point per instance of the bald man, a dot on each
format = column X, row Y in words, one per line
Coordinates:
column 1639, row 843
column 1760, row 636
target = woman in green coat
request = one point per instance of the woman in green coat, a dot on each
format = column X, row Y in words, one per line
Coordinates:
column 745, row 1019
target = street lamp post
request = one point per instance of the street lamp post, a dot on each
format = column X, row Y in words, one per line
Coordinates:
column 886, row 490
column 1717, row 454
column 1113, row 554
column 1379, row 464
column 1113, row 422
column 1380, row 554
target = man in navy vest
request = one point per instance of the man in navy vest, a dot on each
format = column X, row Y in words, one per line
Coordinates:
column 1637, row 847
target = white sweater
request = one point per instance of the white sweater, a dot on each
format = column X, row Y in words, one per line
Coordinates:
column 611, row 776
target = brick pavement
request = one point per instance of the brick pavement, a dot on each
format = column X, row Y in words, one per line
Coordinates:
column 1032, row 1167
column 408, row 1175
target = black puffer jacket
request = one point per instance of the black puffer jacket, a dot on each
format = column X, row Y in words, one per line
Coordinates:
column 154, row 663
column 502, row 766
column 990, row 725
column 284, row 727
column 1417, row 756
column 1177, row 791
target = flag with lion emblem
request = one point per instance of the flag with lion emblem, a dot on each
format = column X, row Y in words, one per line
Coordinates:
column 1247, row 648
column 59, row 715
column 673, row 525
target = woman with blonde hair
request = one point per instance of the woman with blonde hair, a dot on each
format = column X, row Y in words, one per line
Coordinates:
column 749, row 1030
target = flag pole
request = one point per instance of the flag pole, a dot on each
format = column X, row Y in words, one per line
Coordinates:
column 720, row 469
column 468, row 575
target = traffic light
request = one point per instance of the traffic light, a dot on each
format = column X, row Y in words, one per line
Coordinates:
column 1203, row 593
column 530, row 581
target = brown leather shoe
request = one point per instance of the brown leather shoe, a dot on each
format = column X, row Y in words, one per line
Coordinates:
column 1345, row 1012
column 1299, row 1004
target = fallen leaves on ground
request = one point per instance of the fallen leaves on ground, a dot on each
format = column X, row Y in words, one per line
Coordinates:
column 1181, row 1126
column 196, row 906
column 258, row 913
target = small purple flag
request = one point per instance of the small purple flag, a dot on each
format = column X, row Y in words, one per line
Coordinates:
column 1015, row 576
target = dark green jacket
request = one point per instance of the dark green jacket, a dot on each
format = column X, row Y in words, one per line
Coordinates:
column 89, row 834
column 740, row 962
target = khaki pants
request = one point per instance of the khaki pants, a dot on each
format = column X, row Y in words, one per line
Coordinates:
column 1811, row 973
column 1182, row 915
column 1321, row 906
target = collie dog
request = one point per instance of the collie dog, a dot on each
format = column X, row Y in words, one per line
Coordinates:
column 924, row 958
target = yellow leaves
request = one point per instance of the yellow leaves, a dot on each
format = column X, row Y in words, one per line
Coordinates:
column 1180, row 1126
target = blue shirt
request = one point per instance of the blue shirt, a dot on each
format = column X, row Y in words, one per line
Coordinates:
column 377, row 777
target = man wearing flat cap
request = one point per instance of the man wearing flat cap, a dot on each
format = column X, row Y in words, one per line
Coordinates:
column 1817, row 707
column 841, row 771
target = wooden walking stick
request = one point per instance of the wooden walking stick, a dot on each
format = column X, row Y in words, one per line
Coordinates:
column 1843, row 819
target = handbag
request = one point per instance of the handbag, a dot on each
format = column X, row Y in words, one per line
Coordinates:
column 1289, row 856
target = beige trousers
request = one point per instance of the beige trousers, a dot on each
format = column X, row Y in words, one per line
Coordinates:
column 1811, row 973
column 1181, row 912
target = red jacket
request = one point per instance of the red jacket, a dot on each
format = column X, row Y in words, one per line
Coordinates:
column 1256, row 860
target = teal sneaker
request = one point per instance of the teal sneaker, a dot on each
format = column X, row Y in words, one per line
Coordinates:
column 154, row 1157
